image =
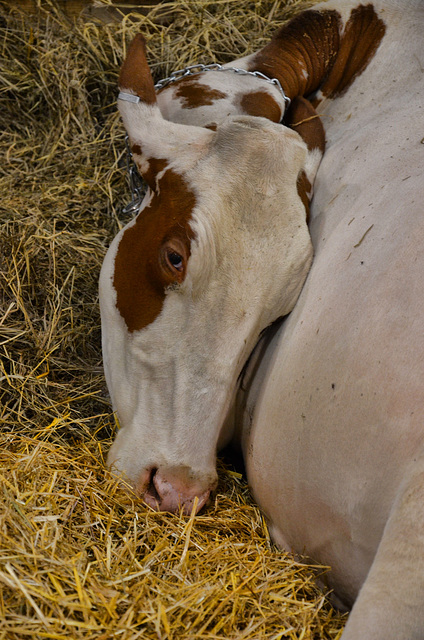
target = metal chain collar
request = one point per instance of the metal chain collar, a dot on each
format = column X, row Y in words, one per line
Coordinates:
column 135, row 180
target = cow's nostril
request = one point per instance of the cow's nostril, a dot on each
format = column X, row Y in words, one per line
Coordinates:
column 151, row 495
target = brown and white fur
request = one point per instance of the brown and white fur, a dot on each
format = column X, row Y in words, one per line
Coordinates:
column 330, row 408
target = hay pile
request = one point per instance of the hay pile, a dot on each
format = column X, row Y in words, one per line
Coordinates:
column 79, row 558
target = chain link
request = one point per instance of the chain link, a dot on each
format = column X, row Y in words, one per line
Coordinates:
column 135, row 180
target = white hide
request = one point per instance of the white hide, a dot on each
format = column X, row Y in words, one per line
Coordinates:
column 333, row 421
column 331, row 412
column 245, row 185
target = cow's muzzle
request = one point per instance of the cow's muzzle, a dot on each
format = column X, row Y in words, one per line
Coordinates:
column 175, row 488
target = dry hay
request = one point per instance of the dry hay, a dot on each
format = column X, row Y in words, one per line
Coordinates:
column 79, row 558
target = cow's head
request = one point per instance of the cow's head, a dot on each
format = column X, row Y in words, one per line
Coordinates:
column 219, row 250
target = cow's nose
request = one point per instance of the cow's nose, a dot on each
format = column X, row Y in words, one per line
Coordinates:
column 173, row 489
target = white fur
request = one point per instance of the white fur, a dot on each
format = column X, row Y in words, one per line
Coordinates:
column 333, row 428
column 331, row 408
column 251, row 236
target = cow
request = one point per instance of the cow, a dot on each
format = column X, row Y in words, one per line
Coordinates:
column 226, row 317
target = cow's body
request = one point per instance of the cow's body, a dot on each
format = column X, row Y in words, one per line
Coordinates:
column 333, row 425
column 330, row 409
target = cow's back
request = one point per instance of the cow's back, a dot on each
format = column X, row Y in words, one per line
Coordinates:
column 334, row 415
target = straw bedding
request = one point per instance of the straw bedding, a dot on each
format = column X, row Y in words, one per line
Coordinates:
column 79, row 556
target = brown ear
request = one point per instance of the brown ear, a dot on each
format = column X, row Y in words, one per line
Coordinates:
column 303, row 118
column 155, row 143
column 135, row 74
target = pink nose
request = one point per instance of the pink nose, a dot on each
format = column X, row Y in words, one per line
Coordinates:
column 171, row 490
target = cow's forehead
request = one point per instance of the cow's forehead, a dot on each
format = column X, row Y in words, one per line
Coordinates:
column 258, row 154
column 225, row 195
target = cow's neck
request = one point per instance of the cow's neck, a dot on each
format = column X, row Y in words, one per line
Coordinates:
column 315, row 52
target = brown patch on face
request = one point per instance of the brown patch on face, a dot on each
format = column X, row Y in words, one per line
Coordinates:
column 212, row 126
column 196, row 94
column 303, row 118
column 308, row 53
column 135, row 73
column 304, row 189
column 259, row 103
column 144, row 262
column 362, row 36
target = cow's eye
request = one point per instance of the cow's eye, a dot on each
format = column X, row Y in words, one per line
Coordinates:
column 175, row 260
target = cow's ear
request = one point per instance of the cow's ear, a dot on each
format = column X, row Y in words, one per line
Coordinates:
column 155, row 142
column 135, row 78
column 303, row 118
